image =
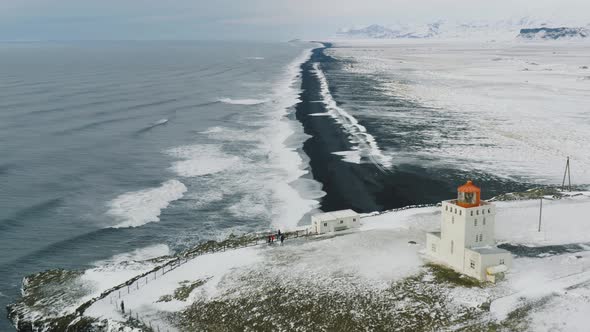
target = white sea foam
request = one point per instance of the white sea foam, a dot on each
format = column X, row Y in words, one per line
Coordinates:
column 202, row 199
column 257, row 166
column 353, row 156
column 296, row 203
column 137, row 255
column 160, row 122
column 242, row 101
column 255, row 58
column 137, row 208
column 200, row 159
column 358, row 134
column 212, row 130
column 251, row 206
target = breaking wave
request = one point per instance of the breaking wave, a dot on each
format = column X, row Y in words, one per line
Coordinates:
column 200, row 159
column 242, row 101
column 137, row 255
column 358, row 135
column 137, row 208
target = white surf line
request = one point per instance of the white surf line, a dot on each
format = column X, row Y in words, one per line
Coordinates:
column 357, row 132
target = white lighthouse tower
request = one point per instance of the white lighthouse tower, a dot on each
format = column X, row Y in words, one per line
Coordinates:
column 466, row 240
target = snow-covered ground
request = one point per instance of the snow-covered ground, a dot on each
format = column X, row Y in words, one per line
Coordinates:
column 513, row 109
column 554, row 288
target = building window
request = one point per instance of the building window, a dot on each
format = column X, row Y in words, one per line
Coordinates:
column 460, row 212
column 472, row 264
column 325, row 224
column 477, row 212
column 354, row 219
column 342, row 221
column 480, row 237
column 501, row 261
column 476, row 238
column 452, row 247
column 455, row 210
column 472, row 213
column 484, row 221
column 453, row 219
column 433, row 247
column 475, row 222
column 446, row 208
column 489, row 211
column 483, row 211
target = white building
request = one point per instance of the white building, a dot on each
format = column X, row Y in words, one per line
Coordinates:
column 334, row 221
column 466, row 241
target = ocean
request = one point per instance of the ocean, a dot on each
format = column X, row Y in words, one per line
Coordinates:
column 113, row 147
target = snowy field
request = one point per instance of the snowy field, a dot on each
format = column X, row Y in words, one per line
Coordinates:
column 376, row 270
column 513, row 109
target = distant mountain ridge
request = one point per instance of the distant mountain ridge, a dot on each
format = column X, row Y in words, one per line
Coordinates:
column 553, row 33
column 524, row 28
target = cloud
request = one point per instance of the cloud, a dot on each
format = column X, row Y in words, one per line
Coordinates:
column 200, row 19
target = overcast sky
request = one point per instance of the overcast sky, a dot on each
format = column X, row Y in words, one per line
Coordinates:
column 251, row 19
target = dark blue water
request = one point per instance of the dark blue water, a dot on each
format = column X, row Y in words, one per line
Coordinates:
column 184, row 141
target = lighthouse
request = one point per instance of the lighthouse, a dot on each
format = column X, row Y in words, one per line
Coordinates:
column 466, row 240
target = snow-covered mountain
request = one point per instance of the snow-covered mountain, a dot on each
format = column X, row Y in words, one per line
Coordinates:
column 392, row 31
column 504, row 29
column 554, row 33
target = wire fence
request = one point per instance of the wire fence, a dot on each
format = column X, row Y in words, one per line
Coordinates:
column 153, row 324
column 115, row 295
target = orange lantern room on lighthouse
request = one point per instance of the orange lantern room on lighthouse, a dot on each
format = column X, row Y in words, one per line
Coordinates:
column 468, row 195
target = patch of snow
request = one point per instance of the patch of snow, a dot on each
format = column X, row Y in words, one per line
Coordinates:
column 144, row 300
column 566, row 312
column 562, row 221
column 532, row 279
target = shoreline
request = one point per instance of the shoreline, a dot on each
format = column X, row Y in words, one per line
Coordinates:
column 368, row 186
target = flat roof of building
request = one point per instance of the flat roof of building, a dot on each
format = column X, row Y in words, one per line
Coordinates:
column 489, row 250
column 333, row 215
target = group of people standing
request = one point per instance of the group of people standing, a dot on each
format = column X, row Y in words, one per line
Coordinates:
column 276, row 237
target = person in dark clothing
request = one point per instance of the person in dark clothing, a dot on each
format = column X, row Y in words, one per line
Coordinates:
column 122, row 307
column 282, row 238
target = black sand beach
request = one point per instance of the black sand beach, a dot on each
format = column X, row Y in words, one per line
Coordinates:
column 365, row 187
